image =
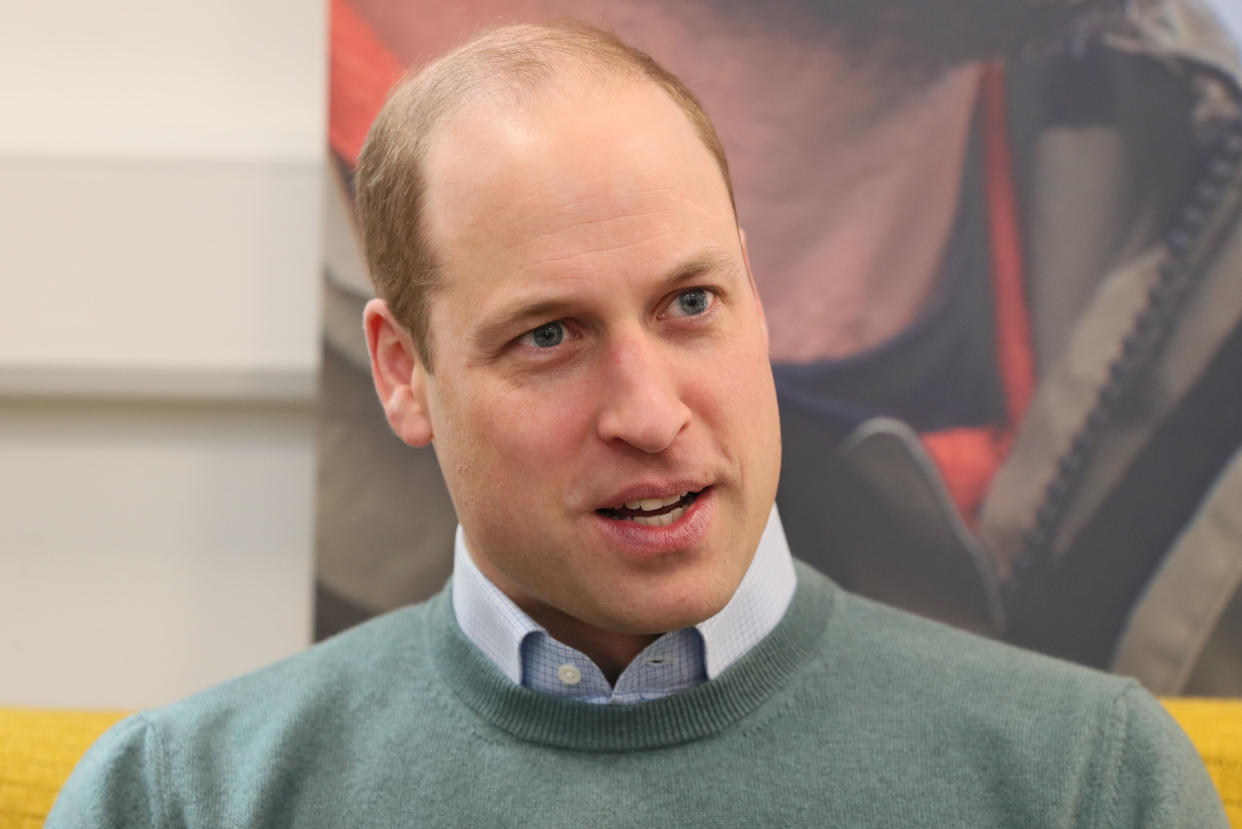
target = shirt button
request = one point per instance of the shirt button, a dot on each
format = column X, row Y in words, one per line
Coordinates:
column 569, row 674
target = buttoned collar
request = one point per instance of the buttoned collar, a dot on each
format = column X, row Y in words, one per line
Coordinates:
column 526, row 654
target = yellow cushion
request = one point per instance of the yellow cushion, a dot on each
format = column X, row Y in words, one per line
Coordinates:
column 1215, row 727
column 38, row 749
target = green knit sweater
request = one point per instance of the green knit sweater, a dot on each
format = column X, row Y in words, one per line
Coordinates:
column 847, row 714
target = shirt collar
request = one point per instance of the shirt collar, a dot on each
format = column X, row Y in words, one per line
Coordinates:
column 498, row 627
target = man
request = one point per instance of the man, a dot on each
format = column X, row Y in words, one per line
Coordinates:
column 568, row 315
column 1005, row 319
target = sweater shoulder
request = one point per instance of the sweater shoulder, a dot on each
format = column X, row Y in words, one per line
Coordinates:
column 375, row 661
column 885, row 641
column 1027, row 738
column 950, row 685
column 230, row 755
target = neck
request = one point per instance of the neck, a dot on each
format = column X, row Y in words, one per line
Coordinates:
column 611, row 650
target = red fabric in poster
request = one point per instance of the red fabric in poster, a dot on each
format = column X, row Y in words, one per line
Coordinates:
column 969, row 457
column 361, row 73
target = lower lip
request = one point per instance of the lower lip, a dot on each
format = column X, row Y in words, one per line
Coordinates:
column 650, row 542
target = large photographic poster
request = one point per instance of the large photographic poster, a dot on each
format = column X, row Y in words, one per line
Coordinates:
column 385, row 523
column 943, row 202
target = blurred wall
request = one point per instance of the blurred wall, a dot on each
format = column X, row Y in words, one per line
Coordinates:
column 160, row 173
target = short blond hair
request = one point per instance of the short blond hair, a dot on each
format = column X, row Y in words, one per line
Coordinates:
column 391, row 183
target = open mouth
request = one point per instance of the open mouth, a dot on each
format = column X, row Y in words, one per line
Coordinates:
column 652, row 512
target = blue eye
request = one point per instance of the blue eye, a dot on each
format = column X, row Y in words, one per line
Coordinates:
column 547, row 336
column 694, row 301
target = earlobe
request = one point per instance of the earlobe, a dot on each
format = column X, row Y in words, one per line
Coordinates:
column 400, row 379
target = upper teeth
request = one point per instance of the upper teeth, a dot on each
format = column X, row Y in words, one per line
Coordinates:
column 649, row 504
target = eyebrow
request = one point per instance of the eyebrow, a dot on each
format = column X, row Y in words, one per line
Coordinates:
column 526, row 314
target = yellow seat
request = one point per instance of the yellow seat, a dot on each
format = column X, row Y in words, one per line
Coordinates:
column 1215, row 727
column 38, row 749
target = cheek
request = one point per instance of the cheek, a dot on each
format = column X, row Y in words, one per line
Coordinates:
column 736, row 384
column 741, row 411
column 527, row 433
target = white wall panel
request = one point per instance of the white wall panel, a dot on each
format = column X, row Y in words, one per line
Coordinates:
column 154, row 78
column 149, row 550
column 139, row 263
column 159, row 317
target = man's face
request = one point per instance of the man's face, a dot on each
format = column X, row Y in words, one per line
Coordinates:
column 597, row 343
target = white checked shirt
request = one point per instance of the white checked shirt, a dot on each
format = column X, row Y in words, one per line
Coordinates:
column 525, row 652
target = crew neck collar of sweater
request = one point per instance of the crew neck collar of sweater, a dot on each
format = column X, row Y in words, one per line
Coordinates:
column 682, row 717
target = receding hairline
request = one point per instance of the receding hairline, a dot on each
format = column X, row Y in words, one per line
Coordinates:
column 505, row 100
column 507, row 64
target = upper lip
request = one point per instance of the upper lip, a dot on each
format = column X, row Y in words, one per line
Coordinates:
column 652, row 489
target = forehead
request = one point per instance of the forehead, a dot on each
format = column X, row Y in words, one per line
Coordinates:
column 583, row 172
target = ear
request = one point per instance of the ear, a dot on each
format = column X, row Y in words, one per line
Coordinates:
column 399, row 375
column 754, row 289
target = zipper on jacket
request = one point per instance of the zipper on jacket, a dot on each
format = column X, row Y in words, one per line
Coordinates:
column 1191, row 240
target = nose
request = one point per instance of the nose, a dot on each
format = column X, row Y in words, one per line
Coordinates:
column 641, row 401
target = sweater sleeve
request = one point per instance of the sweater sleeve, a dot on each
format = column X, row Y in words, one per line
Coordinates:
column 1152, row 774
column 115, row 784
